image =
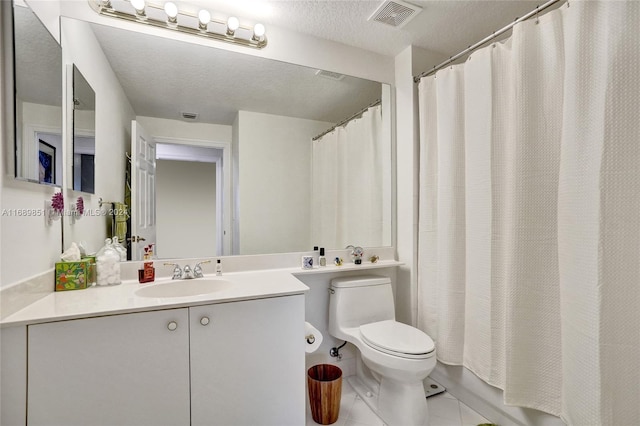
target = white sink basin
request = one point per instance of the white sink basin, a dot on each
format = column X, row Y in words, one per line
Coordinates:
column 184, row 288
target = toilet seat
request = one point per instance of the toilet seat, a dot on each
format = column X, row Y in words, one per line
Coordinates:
column 398, row 339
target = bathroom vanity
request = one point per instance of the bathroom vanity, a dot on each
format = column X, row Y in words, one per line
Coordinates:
column 108, row 356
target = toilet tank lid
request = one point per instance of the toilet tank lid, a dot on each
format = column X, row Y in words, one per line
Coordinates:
column 360, row 281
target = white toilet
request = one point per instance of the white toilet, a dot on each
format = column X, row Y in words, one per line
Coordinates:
column 395, row 358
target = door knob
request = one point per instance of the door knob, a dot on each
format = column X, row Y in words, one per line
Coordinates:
column 172, row 326
column 204, row 320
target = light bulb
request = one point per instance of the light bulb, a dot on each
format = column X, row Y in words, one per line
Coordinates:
column 138, row 5
column 258, row 32
column 171, row 10
column 204, row 17
column 232, row 25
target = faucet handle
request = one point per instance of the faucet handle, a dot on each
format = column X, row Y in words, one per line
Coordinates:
column 197, row 270
column 177, row 271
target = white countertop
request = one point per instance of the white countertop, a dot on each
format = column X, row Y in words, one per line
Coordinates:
column 120, row 299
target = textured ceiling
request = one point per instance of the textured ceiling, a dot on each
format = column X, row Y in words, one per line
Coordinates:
column 443, row 26
column 38, row 60
column 163, row 78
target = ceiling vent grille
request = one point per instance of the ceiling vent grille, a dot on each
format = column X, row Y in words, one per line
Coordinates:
column 190, row 115
column 330, row 75
column 395, row 13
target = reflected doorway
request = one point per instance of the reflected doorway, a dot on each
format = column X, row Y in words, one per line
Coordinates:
column 188, row 201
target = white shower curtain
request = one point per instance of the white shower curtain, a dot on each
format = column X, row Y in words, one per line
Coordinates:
column 347, row 196
column 529, row 245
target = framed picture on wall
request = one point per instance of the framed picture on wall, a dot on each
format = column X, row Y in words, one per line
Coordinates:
column 47, row 162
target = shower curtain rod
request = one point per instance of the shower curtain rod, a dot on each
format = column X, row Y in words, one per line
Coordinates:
column 343, row 122
column 485, row 40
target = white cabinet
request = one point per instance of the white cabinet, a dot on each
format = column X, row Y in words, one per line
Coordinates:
column 247, row 363
column 118, row 370
column 239, row 363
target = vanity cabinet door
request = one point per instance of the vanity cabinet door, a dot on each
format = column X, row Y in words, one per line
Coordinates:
column 128, row 369
column 247, row 363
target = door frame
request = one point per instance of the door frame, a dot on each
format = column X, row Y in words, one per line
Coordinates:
column 223, row 187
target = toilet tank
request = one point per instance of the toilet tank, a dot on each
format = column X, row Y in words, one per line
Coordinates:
column 354, row 301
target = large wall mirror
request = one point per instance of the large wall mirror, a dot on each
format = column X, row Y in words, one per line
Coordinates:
column 38, row 100
column 84, row 138
column 223, row 159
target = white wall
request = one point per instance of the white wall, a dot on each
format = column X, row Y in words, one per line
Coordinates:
column 113, row 131
column 185, row 209
column 274, row 182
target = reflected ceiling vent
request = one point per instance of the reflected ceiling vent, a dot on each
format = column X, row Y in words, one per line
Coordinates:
column 190, row 116
column 395, row 13
column 330, row 75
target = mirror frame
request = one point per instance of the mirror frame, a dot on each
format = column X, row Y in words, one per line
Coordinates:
column 75, row 132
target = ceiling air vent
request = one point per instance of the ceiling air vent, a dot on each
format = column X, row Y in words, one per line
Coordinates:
column 395, row 13
column 190, row 115
column 330, row 75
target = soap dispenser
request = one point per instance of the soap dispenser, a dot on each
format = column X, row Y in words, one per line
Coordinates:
column 218, row 267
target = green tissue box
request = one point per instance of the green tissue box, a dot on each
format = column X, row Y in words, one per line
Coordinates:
column 72, row 275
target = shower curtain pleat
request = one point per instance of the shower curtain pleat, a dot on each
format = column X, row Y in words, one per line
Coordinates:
column 347, row 184
column 529, row 224
column 599, row 205
column 325, row 181
column 533, row 339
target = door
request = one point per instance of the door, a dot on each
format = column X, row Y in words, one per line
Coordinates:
column 247, row 363
column 143, row 191
column 130, row 369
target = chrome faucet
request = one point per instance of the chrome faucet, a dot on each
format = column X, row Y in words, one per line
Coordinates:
column 197, row 270
column 187, row 273
column 177, row 271
column 356, row 253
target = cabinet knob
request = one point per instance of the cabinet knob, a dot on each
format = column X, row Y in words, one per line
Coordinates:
column 204, row 320
column 172, row 326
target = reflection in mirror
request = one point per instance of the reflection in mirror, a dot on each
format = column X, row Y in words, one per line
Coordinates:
column 84, row 139
column 38, row 100
column 256, row 191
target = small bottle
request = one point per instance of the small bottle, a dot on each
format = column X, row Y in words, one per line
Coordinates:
column 316, row 256
column 323, row 260
column 218, row 267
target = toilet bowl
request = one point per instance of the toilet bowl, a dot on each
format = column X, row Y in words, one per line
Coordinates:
column 395, row 358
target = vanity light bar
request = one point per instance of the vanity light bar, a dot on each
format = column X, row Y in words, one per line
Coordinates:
column 173, row 19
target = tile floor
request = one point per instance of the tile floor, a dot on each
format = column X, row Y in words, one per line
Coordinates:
column 444, row 410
